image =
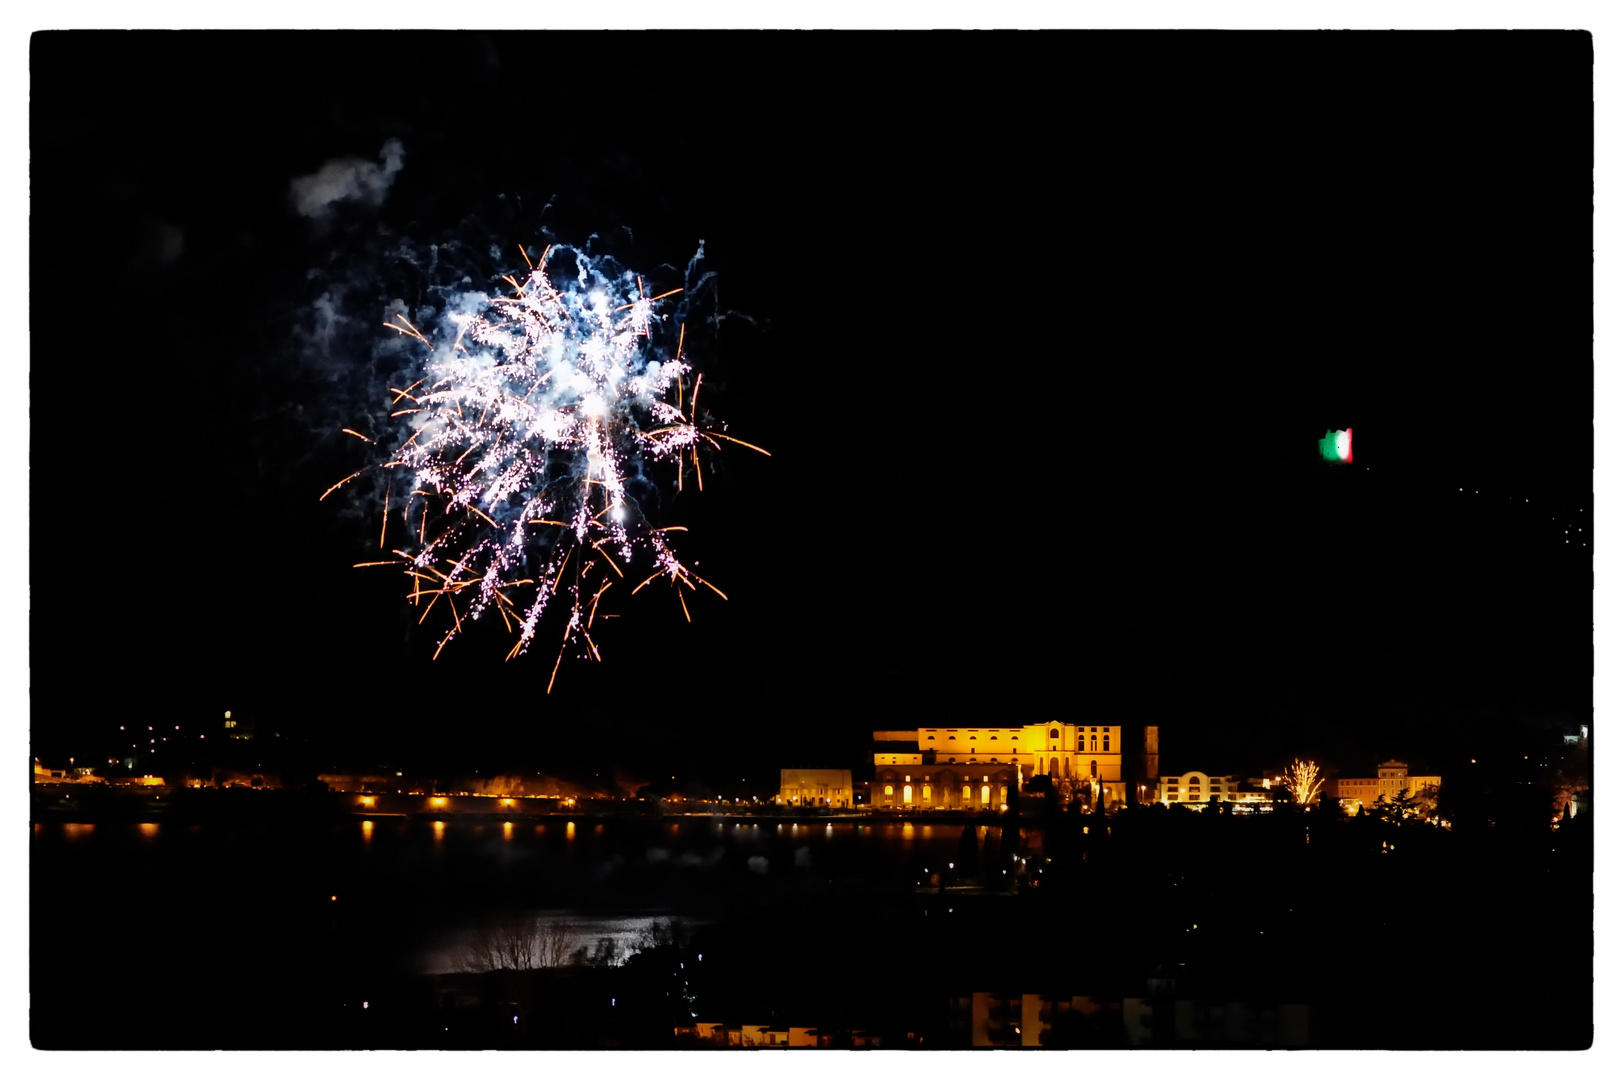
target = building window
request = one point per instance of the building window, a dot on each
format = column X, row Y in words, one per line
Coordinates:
column 1107, row 744
column 986, row 794
column 1093, row 769
column 929, row 738
column 1053, row 733
column 907, row 794
column 972, row 738
column 924, row 792
column 889, row 790
column 966, row 793
column 1095, row 746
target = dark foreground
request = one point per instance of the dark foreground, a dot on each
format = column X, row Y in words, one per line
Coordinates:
column 1151, row 928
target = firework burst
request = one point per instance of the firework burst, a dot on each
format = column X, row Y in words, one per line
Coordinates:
column 1303, row 781
column 531, row 433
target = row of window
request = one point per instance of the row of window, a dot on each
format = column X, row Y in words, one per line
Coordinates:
column 924, row 793
column 1092, row 747
column 993, row 738
column 1053, row 733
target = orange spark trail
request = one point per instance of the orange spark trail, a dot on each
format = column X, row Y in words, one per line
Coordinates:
column 340, row 484
column 740, row 442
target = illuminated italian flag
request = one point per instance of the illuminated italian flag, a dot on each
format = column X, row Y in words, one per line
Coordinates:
column 1336, row 447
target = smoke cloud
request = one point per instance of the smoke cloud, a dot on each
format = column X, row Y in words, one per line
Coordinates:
column 349, row 179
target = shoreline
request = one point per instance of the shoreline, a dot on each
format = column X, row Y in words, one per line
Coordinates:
column 60, row 804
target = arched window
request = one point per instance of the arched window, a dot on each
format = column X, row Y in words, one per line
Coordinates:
column 890, row 790
column 1053, row 766
column 1093, row 769
column 929, row 738
column 907, row 794
column 1107, row 742
column 924, row 793
column 1094, row 743
column 966, row 794
column 1053, row 733
column 972, row 738
column 986, row 794
column 994, row 736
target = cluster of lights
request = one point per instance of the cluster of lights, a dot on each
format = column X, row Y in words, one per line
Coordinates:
column 1336, row 448
column 1571, row 528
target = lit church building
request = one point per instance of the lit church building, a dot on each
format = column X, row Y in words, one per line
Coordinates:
column 955, row 768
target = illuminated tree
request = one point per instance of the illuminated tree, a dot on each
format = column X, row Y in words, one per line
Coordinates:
column 1303, row 781
column 1403, row 806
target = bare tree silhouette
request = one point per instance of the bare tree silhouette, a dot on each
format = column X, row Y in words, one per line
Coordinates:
column 518, row 941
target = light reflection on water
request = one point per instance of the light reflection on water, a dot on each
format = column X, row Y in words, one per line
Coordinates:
column 615, row 834
column 448, row 954
column 596, row 884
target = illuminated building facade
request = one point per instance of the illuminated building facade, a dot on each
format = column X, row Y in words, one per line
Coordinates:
column 237, row 729
column 956, row 768
column 1198, row 789
column 814, row 787
column 1391, row 780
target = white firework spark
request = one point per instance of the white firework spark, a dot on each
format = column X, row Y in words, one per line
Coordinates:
column 527, row 427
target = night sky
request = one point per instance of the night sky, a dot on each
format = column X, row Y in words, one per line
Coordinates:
column 1041, row 331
